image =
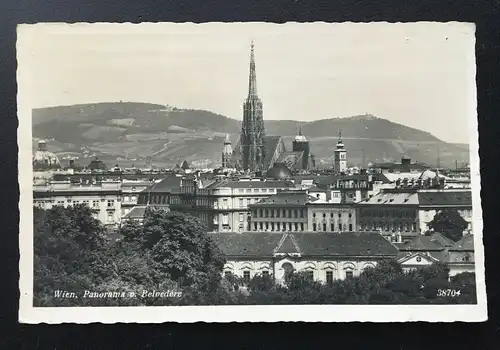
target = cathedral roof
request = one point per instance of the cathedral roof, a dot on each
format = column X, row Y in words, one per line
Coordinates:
column 279, row 172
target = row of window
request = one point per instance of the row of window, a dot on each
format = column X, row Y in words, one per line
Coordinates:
column 332, row 227
column 95, row 203
column 285, row 213
column 257, row 190
column 309, row 273
column 331, row 215
column 389, row 226
column 388, row 213
column 278, row 226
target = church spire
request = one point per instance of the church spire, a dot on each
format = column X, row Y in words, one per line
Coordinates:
column 252, row 81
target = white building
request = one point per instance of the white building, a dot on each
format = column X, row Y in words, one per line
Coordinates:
column 324, row 256
column 105, row 197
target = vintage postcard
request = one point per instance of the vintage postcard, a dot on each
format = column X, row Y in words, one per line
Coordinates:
column 259, row 172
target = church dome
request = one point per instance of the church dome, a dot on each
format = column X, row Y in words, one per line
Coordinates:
column 428, row 174
column 43, row 159
column 300, row 137
column 279, row 172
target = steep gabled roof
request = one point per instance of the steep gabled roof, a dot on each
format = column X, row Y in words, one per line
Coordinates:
column 445, row 198
column 287, row 245
column 442, row 240
column 466, row 243
column 422, row 243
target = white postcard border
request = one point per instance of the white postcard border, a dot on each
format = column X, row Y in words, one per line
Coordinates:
column 261, row 313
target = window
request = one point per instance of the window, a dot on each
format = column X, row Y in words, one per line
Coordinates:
column 331, row 215
column 267, row 226
column 314, row 215
column 350, row 227
column 310, row 274
column 349, row 274
column 62, row 202
column 265, row 273
column 295, row 213
column 111, row 203
column 246, row 276
column 329, row 277
column 302, row 226
column 227, row 274
column 110, row 217
column 224, row 203
column 296, row 226
column 324, row 226
column 340, row 226
column 272, row 212
column 272, row 226
column 241, row 202
column 242, row 217
column 314, row 226
column 324, row 215
column 277, row 226
column 419, row 259
column 278, row 213
column 350, row 215
column 255, row 226
column 260, row 213
column 261, row 226
column 332, row 227
column 266, row 213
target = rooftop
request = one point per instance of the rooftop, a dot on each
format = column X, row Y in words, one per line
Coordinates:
column 267, row 244
column 286, row 198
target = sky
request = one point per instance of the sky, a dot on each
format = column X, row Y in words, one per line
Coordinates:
column 421, row 75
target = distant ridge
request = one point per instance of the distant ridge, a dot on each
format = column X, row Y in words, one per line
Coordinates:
column 112, row 124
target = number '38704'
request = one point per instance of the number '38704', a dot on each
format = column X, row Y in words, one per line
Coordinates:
column 448, row 292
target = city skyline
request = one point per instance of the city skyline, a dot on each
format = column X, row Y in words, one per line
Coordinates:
column 328, row 81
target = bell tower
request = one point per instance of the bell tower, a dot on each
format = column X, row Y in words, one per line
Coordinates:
column 340, row 155
column 227, row 153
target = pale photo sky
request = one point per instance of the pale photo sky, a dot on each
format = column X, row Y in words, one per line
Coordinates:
column 421, row 75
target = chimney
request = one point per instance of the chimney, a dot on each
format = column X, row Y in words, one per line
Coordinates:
column 71, row 163
column 405, row 164
column 399, row 238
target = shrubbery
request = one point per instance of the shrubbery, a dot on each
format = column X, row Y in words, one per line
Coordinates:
column 171, row 251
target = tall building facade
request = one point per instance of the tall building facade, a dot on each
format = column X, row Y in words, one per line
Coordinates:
column 301, row 144
column 227, row 153
column 252, row 130
column 340, row 156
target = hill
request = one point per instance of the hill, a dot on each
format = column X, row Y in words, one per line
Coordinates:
column 134, row 130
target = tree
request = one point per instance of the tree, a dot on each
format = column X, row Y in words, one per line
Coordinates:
column 450, row 223
column 68, row 253
column 181, row 251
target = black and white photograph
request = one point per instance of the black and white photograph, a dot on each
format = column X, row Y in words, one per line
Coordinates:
column 249, row 172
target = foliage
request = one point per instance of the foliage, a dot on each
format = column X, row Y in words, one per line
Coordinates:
column 172, row 252
column 450, row 223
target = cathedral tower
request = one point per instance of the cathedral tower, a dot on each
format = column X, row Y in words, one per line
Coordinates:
column 340, row 156
column 252, row 129
column 301, row 144
column 227, row 153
